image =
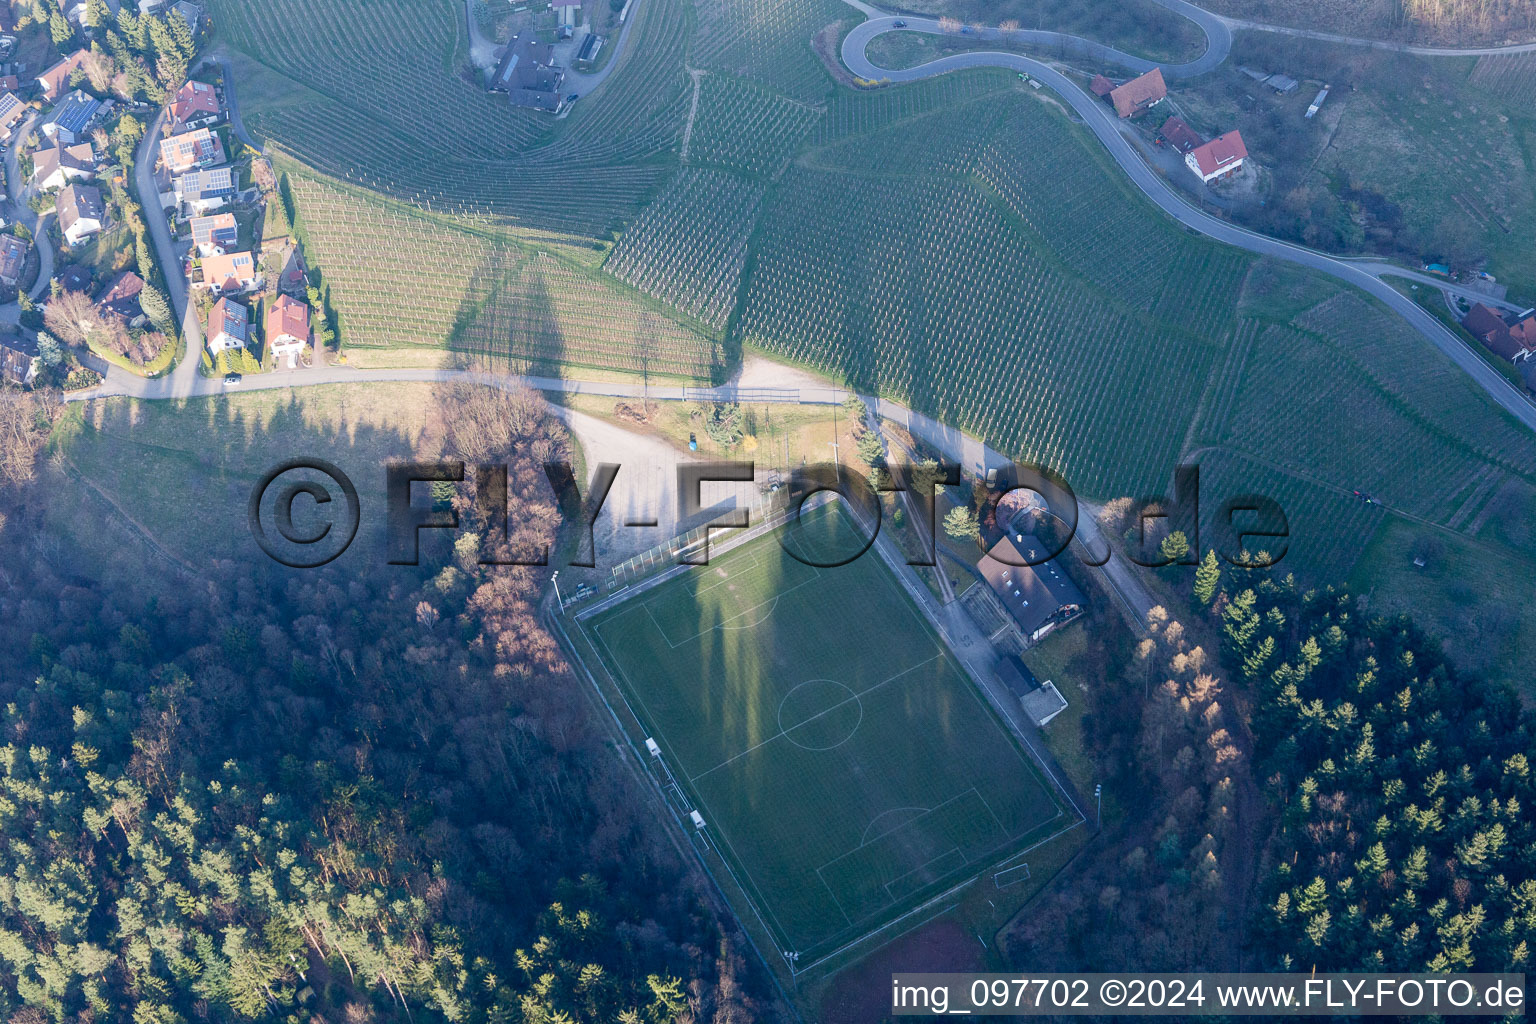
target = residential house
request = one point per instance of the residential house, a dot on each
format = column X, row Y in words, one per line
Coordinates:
column 18, row 359
column 229, row 326
column 13, row 258
column 195, row 105
column 122, row 299
column 230, row 272
column 206, row 190
column 55, row 80
column 215, row 235
column 1180, row 135
column 191, row 150
column 1039, row 597
column 12, row 113
column 1139, row 94
column 74, row 278
column 58, row 165
column 527, row 73
column 190, row 13
column 287, row 329
column 1514, row 342
column 72, row 117
column 81, row 212
column 1216, row 159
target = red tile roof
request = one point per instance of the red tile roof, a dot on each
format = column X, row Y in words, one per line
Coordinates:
column 122, row 295
column 57, row 77
column 1482, row 322
column 1139, row 93
column 1220, row 153
column 1525, row 333
column 287, row 316
column 1101, row 86
column 1180, row 135
column 1504, row 341
column 235, row 268
column 194, row 100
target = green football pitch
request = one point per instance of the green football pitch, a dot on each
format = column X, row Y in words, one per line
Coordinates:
column 845, row 765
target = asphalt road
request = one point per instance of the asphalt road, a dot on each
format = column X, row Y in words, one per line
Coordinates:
column 1378, row 44
column 20, row 191
column 1100, row 119
column 1218, row 39
column 184, row 380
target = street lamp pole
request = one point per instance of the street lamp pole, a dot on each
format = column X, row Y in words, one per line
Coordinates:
column 555, row 579
column 1098, row 805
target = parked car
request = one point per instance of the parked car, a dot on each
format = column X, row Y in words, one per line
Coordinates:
column 898, row 24
column 232, row 380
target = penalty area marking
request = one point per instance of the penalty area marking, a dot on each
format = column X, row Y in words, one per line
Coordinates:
column 731, row 623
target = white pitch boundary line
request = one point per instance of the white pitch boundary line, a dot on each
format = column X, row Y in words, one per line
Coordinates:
column 894, row 828
column 1001, row 828
column 834, row 707
column 756, row 890
column 724, row 624
column 837, row 902
column 891, row 897
column 755, row 894
column 864, row 837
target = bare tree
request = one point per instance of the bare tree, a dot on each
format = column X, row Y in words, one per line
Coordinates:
column 23, row 431
column 98, row 68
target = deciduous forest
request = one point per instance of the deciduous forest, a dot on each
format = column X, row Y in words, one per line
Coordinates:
column 359, row 795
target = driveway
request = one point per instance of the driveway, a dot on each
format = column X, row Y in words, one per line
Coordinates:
column 231, row 100
column 481, row 50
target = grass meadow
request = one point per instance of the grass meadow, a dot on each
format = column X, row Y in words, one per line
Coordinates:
column 176, row 477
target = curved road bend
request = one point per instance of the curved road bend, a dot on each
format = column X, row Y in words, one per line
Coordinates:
column 1218, row 40
column 20, row 191
column 1365, row 275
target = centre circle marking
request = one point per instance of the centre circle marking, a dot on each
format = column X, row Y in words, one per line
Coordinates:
column 826, row 728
